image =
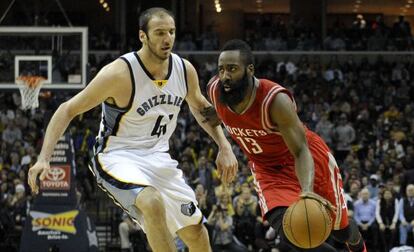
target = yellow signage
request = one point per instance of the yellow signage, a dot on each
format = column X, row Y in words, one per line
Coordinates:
column 64, row 222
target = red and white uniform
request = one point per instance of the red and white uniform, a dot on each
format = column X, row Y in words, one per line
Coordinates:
column 271, row 163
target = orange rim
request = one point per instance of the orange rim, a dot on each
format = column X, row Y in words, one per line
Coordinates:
column 31, row 81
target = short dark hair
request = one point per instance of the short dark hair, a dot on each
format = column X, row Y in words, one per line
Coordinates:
column 146, row 15
column 243, row 47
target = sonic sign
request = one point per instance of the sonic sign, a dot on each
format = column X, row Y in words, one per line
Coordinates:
column 58, row 224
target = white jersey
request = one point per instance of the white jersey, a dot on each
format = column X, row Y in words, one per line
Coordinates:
column 150, row 118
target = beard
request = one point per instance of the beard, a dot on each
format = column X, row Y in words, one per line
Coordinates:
column 237, row 92
column 154, row 52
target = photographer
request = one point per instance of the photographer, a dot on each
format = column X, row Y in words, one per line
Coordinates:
column 221, row 224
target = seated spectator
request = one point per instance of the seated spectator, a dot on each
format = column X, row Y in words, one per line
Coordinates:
column 364, row 215
column 387, row 218
column 406, row 217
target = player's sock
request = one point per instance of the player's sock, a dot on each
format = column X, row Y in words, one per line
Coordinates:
column 359, row 247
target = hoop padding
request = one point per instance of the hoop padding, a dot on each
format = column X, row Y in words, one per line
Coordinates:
column 29, row 87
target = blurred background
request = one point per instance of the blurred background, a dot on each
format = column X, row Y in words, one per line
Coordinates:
column 348, row 63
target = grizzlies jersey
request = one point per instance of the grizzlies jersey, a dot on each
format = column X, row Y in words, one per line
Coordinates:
column 150, row 118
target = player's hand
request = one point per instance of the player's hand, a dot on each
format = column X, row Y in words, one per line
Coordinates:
column 227, row 165
column 39, row 168
column 320, row 199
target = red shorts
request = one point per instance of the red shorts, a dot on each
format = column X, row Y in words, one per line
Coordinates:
column 279, row 186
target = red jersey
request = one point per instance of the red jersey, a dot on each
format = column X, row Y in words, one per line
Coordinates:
column 271, row 163
column 253, row 129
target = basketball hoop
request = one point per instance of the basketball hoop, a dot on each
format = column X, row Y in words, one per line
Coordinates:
column 29, row 87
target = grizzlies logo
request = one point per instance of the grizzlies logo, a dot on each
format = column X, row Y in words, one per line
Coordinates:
column 188, row 209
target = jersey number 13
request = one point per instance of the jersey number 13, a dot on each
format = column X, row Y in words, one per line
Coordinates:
column 250, row 145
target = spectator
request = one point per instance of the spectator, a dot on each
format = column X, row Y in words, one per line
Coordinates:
column 373, row 186
column 128, row 228
column 325, row 128
column 205, row 173
column 223, row 238
column 364, row 215
column 406, row 207
column 401, row 28
column 245, row 218
column 359, row 23
column 387, row 217
column 204, row 202
column 344, row 136
column 11, row 133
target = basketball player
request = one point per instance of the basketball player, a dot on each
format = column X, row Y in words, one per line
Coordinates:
column 141, row 94
column 287, row 160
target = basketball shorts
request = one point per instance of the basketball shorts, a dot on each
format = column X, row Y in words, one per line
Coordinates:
column 279, row 186
column 122, row 174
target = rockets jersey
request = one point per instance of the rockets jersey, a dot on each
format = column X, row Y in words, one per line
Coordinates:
column 271, row 163
column 253, row 130
column 150, row 118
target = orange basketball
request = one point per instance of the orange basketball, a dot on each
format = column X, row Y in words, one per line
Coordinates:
column 307, row 223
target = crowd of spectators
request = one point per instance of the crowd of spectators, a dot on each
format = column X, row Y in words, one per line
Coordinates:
column 278, row 34
column 363, row 109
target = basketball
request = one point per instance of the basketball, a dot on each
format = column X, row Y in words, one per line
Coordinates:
column 307, row 223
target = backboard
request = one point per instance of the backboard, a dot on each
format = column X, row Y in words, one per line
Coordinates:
column 59, row 54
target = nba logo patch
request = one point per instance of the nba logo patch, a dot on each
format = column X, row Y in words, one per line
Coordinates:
column 188, row 209
column 160, row 83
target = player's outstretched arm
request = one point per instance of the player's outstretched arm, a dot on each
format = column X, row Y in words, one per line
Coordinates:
column 107, row 84
column 226, row 161
column 283, row 114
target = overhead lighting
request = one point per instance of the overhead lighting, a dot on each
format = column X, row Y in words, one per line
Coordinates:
column 259, row 1
column 358, row 1
column 407, row 6
column 216, row 1
column 410, row 1
column 105, row 5
column 405, row 10
column 108, row 9
column 101, row 1
column 218, row 10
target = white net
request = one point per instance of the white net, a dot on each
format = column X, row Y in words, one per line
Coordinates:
column 29, row 88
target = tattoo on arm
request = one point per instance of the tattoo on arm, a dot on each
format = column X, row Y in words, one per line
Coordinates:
column 210, row 116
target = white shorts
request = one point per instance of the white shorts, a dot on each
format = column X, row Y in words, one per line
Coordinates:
column 122, row 174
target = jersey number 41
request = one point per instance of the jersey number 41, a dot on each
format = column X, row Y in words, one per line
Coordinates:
column 160, row 129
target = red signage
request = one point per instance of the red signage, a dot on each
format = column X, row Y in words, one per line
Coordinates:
column 57, row 178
